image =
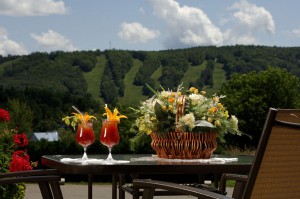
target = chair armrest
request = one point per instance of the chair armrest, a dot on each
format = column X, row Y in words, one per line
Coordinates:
column 239, row 186
column 29, row 173
column 149, row 187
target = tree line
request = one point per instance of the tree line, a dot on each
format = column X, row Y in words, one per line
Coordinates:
column 41, row 88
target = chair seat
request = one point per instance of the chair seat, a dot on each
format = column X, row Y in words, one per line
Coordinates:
column 129, row 188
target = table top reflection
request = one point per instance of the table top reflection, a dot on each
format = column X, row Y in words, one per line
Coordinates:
column 136, row 164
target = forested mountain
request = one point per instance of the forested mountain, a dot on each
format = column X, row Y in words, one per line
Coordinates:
column 69, row 71
column 50, row 83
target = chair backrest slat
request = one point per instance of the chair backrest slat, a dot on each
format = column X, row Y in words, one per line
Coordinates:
column 276, row 168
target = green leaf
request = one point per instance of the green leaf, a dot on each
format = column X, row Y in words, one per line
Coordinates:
column 161, row 115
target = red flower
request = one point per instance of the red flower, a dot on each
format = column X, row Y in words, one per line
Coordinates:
column 20, row 153
column 20, row 140
column 4, row 115
column 20, row 161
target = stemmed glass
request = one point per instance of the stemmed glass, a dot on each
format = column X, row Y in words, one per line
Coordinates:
column 85, row 136
column 109, row 136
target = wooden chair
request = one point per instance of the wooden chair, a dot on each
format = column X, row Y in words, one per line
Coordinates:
column 275, row 172
column 48, row 181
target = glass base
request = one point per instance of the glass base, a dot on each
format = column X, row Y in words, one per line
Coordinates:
column 109, row 157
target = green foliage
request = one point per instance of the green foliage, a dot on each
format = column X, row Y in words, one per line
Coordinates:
column 21, row 116
column 12, row 191
column 249, row 97
column 118, row 64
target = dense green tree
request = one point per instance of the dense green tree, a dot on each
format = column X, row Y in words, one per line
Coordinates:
column 249, row 96
column 21, row 116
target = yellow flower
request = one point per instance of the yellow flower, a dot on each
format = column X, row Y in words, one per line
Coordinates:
column 226, row 114
column 217, row 123
column 194, row 90
column 215, row 99
column 219, row 105
column 209, row 120
column 113, row 116
column 203, row 92
column 77, row 118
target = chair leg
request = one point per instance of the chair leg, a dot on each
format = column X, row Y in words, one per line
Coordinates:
column 55, row 187
column 148, row 193
column 45, row 190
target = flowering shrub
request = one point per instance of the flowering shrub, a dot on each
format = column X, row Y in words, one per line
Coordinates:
column 13, row 156
column 169, row 111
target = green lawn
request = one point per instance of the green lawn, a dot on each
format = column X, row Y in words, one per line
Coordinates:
column 93, row 77
column 133, row 94
column 219, row 78
column 192, row 74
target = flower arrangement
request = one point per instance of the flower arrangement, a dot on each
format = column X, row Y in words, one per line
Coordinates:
column 169, row 111
column 13, row 156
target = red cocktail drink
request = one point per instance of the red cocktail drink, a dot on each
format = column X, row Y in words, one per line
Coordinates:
column 85, row 136
column 109, row 135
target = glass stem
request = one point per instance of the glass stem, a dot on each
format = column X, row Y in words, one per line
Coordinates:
column 109, row 157
column 84, row 157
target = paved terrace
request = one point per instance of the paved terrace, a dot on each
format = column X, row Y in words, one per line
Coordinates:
column 79, row 191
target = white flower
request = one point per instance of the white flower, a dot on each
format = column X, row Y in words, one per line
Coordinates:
column 188, row 120
column 235, row 120
column 166, row 94
column 196, row 98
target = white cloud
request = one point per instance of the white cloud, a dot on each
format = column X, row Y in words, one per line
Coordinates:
column 296, row 32
column 31, row 7
column 186, row 26
column 248, row 20
column 136, row 33
column 52, row 40
column 8, row 46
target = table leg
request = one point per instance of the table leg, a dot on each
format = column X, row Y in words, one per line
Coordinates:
column 114, row 186
column 121, row 183
column 217, row 179
column 90, row 186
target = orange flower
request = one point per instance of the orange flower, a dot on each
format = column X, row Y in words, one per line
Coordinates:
column 212, row 110
column 113, row 116
column 171, row 100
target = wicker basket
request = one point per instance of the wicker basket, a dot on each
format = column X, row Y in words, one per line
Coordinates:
column 184, row 145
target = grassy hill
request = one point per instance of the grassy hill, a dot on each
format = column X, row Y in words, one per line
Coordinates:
column 133, row 94
column 192, row 74
column 81, row 72
column 93, row 77
column 218, row 78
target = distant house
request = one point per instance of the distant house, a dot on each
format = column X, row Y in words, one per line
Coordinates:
column 49, row 136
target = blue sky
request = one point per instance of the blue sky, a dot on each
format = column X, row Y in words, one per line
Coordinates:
column 47, row 25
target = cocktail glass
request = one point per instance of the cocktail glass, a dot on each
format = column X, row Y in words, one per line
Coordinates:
column 85, row 136
column 109, row 136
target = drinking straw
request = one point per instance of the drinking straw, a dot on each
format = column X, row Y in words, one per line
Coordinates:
column 84, row 124
column 107, row 117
